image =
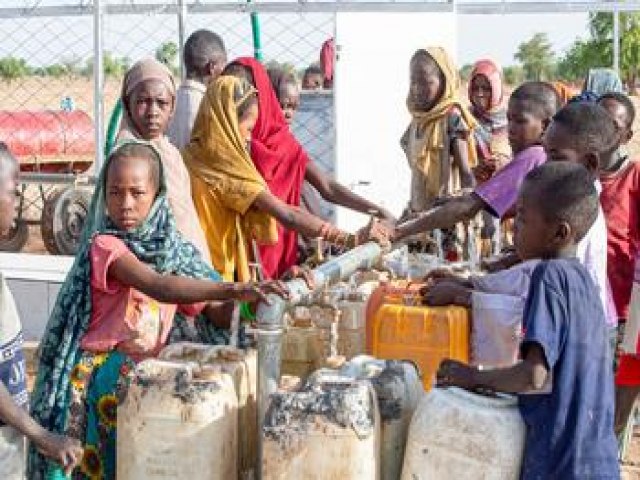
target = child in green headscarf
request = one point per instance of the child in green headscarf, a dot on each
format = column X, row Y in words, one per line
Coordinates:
column 133, row 280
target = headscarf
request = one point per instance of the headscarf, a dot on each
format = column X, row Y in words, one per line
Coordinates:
column 327, row 60
column 156, row 243
column 603, row 80
column 492, row 136
column 564, row 91
column 281, row 161
column 178, row 186
column 433, row 126
column 217, row 155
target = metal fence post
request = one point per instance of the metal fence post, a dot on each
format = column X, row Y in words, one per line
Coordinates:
column 98, row 82
column 182, row 23
column 616, row 40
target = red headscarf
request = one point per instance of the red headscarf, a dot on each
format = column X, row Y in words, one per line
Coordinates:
column 281, row 161
column 327, row 58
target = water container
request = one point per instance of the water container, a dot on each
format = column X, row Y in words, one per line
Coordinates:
column 326, row 432
column 242, row 366
column 425, row 335
column 179, row 420
column 458, row 435
column 398, row 390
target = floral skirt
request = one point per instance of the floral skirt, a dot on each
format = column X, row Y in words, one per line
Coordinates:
column 99, row 383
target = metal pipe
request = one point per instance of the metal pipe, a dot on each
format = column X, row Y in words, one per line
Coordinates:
column 270, row 325
column 182, row 27
column 616, row 41
column 98, row 83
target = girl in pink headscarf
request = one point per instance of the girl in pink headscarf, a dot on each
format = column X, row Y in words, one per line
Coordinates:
column 486, row 94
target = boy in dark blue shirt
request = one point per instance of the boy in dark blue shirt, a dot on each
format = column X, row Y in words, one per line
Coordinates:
column 565, row 346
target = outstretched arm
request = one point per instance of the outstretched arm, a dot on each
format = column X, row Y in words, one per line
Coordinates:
column 128, row 270
column 334, row 192
column 528, row 375
column 457, row 209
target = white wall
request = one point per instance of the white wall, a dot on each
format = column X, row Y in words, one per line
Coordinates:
column 372, row 80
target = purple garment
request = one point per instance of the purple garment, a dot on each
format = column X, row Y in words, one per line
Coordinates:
column 500, row 192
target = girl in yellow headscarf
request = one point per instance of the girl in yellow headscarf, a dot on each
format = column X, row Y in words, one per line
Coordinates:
column 232, row 199
column 438, row 143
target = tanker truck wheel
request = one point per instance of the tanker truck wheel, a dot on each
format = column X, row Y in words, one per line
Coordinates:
column 63, row 218
column 16, row 238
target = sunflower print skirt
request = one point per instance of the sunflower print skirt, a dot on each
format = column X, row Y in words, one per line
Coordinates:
column 99, row 383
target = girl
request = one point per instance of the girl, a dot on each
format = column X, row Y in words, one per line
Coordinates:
column 118, row 305
column 149, row 97
column 486, row 94
column 285, row 165
column 438, row 143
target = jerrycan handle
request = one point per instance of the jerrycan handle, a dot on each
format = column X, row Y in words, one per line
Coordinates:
column 177, row 350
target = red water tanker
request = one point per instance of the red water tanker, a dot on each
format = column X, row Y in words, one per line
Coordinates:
column 54, row 149
column 49, row 141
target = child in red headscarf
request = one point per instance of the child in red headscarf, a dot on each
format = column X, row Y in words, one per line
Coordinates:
column 285, row 165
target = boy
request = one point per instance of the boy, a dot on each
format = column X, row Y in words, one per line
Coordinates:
column 620, row 200
column 205, row 57
column 530, row 109
column 14, row 418
column 313, row 78
column 570, row 429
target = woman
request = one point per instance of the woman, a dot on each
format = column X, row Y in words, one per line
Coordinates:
column 148, row 97
column 285, row 165
column 234, row 202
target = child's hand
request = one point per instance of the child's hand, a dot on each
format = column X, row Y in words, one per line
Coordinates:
column 64, row 450
column 452, row 373
column 447, row 293
column 443, row 274
column 375, row 231
column 302, row 272
column 257, row 292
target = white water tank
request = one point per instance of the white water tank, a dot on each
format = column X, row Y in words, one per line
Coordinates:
column 179, row 420
column 328, row 431
column 459, row 435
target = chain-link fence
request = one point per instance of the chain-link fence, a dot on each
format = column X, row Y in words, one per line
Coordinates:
column 54, row 106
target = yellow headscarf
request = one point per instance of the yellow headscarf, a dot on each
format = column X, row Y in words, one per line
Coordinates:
column 217, row 155
column 433, row 125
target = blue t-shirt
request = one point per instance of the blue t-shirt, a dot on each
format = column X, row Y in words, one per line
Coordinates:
column 569, row 430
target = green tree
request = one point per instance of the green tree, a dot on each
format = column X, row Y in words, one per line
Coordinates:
column 113, row 66
column 597, row 51
column 167, row 53
column 513, row 75
column 465, row 72
column 12, row 68
column 537, row 57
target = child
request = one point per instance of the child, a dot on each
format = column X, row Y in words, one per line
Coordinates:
column 486, row 94
column 204, row 59
column 148, row 97
column 313, row 78
column 620, row 200
column 438, row 143
column 15, row 422
column 569, row 429
column 530, row 109
column 287, row 91
column 131, row 281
